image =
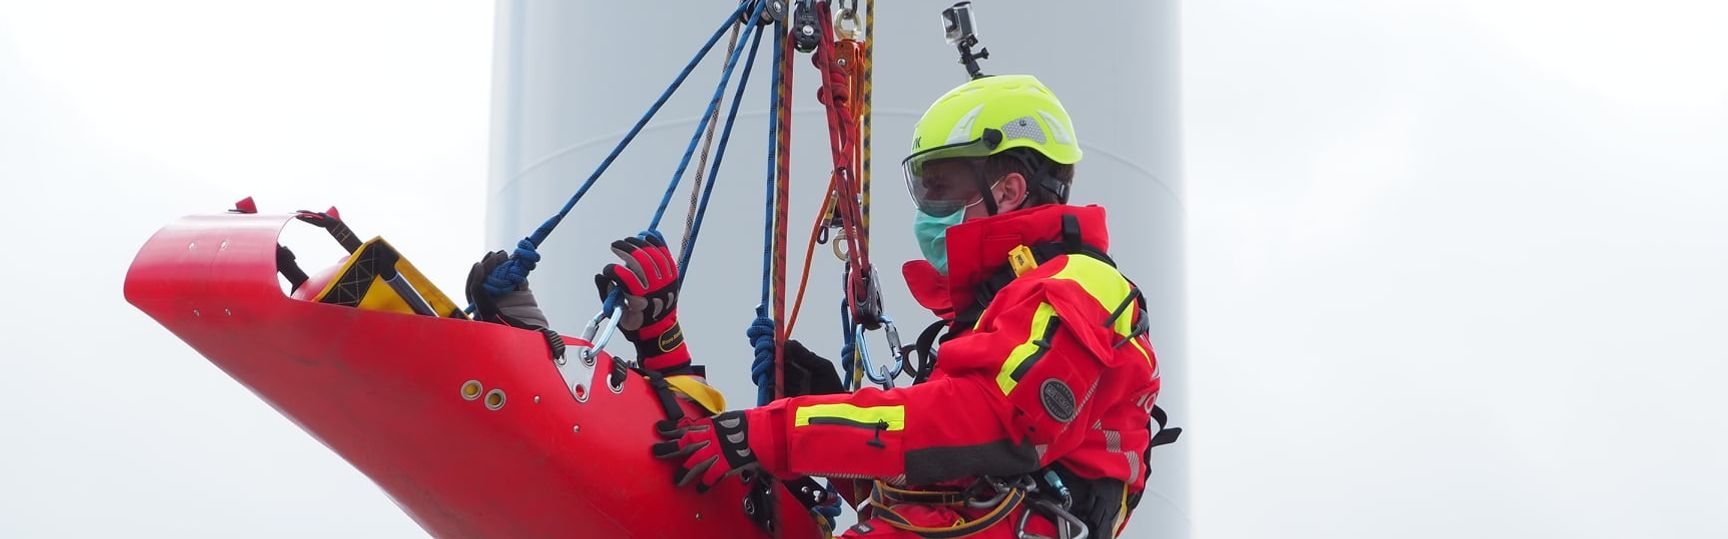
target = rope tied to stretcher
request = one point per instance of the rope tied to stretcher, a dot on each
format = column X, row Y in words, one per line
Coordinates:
column 516, row 268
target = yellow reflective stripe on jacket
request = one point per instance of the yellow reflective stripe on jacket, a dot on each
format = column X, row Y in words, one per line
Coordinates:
column 864, row 416
column 1102, row 282
column 1107, row 286
column 1035, row 345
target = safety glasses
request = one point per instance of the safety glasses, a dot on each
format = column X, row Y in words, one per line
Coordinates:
column 947, row 179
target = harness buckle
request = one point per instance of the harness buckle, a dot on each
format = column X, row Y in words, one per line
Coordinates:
column 1022, row 259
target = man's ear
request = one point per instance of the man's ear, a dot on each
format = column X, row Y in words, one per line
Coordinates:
column 1010, row 193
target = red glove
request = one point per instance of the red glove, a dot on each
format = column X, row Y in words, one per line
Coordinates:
column 708, row 449
column 648, row 282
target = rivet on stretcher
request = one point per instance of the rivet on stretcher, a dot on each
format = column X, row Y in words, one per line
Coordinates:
column 575, row 428
column 494, row 399
column 471, row 390
column 223, row 246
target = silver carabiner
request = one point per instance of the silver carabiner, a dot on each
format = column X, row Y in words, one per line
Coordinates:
column 598, row 332
column 895, row 348
column 861, row 358
column 882, row 375
column 1068, row 526
column 579, row 377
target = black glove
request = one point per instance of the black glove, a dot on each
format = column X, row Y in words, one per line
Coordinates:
column 516, row 308
column 808, row 373
column 1098, row 502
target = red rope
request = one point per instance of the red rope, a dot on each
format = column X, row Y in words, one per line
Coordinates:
column 843, row 149
column 782, row 194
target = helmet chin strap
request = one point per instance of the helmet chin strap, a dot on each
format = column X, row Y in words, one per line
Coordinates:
column 989, row 195
column 993, row 138
column 1043, row 178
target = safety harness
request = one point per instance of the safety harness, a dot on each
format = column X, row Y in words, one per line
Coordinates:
column 1047, row 487
column 1004, row 500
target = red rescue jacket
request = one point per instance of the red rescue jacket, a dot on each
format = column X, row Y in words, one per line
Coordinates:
column 1041, row 378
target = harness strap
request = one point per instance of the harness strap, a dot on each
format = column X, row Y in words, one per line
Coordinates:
column 925, row 347
column 885, row 493
column 668, row 401
column 1043, row 252
column 290, row 269
column 1011, row 500
column 331, row 222
column 1165, row 435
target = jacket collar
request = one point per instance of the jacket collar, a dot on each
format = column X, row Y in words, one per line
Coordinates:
column 979, row 248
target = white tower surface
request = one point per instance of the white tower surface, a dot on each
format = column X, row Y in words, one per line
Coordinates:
column 570, row 78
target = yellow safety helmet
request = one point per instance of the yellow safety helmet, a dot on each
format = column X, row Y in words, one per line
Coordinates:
column 984, row 117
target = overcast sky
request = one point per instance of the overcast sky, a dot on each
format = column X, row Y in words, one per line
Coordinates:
column 1456, row 268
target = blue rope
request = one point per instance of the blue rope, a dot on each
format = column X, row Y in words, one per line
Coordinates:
column 540, row 234
column 761, row 335
column 510, row 275
column 713, row 105
column 761, row 332
column 514, row 271
column 719, row 154
column 848, row 350
column 773, row 148
column 830, row 511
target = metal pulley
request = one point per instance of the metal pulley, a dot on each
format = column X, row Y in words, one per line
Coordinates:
column 806, row 26
column 865, row 296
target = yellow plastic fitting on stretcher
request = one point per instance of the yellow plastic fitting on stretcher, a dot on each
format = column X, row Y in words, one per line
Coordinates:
column 377, row 278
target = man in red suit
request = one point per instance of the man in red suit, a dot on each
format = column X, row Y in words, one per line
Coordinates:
column 1037, row 415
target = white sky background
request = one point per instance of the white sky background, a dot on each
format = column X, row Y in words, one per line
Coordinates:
column 1456, row 268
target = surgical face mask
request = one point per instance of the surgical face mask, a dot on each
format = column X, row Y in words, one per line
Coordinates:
column 932, row 235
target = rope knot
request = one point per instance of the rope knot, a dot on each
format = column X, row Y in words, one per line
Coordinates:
column 512, row 274
column 761, row 334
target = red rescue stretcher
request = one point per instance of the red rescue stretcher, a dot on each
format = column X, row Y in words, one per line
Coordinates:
column 469, row 426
